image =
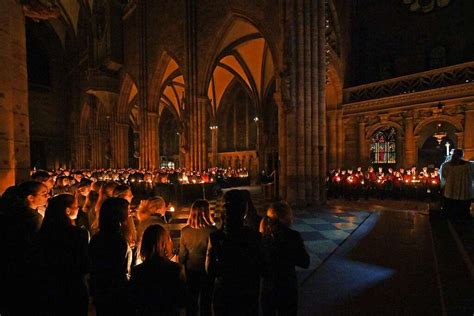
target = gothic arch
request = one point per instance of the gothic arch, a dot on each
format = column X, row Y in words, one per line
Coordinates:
column 167, row 74
column 128, row 92
column 371, row 130
column 235, row 27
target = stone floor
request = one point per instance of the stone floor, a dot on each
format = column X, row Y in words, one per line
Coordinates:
column 396, row 262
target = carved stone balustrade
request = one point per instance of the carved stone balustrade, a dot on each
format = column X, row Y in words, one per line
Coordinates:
column 422, row 81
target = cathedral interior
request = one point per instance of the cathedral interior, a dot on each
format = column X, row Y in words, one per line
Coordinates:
column 297, row 87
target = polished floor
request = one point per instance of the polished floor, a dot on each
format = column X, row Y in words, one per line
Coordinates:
column 395, row 263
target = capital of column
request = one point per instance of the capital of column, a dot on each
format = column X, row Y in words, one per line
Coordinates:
column 151, row 114
column 203, row 99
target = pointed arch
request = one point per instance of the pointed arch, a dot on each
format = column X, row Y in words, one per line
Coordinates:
column 128, row 91
column 243, row 53
column 167, row 84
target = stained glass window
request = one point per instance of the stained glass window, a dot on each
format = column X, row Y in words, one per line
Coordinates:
column 383, row 148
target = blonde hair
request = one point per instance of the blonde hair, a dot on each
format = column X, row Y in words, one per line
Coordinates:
column 149, row 206
column 199, row 216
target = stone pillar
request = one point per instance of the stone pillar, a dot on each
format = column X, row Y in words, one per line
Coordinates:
column 410, row 145
column 148, row 140
column 214, row 139
column 469, row 132
column 82, row 155
column 341, row 134
column 363, row 150
column 121, row 144
column 282, row 144
column 198, row 133
column 306, row 108
column 333, row 135
column 14, row 118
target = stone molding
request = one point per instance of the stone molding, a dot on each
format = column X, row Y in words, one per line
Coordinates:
column 410, row 101
column 422, row 81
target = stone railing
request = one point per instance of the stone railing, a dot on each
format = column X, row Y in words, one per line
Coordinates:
column 433, row 79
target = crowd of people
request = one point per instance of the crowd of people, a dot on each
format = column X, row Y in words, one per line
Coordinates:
column 71, row 241
column 381, row 183
column 156, row 176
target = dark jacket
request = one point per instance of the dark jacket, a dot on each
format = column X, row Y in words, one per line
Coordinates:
column 157, row 287
column 193, row 247
column 110, row 258
column 283, row 249
column 234, row 259
column 63, row 264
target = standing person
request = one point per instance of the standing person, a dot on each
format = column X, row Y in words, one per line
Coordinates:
column 251, row 218
column 234, row 261
column 151, row 211
column 192, row 254
column 111, row 257
column 19, row 229
column 62, row 259
column 45, row 178
column 106, row 191
column 457, row 175
column 283, row 249
column 157, row 286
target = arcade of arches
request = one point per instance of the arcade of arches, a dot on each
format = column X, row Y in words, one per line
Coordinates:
column 293, row 86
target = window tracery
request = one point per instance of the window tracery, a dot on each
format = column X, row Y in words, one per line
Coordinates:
column 383, row 147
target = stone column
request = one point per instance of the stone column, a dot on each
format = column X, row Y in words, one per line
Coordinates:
column 410, row 145
column 14, row 118
column 148, row 140
column 82, row 155
column 333, row 133
column 121, row 144
column 363, row 150
column 282, row 144
column 341, row 134
column 469, row 132
column 214, row 138
column 198, row 133
column 306, row 108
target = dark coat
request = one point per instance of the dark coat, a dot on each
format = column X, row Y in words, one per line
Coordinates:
column 234, row 259
column 19, row 228
column 157, row 287
column 283, row 249
column 62, row 265
column 110, row 258
column 193, row 247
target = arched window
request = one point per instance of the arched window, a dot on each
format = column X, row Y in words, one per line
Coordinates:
column 383, row 149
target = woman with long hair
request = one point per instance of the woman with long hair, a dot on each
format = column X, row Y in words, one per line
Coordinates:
column 20, row 224
column 111, row 257
column 125, row 192
column 251, row 218
column 106, row 191
column 150, row 212
column 63, row 259
column 157, row 286
column 192, row 254
column 283, row 249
